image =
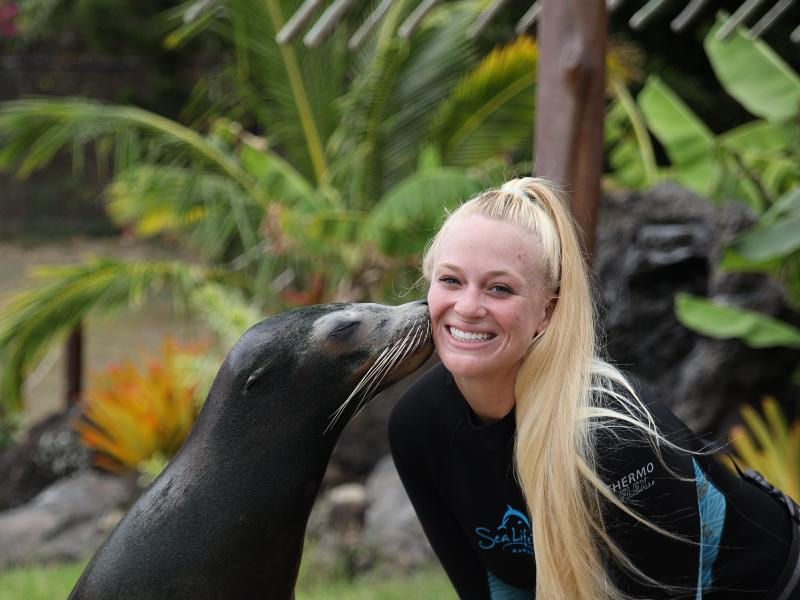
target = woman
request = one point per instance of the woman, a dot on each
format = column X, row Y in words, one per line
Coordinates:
column 524, row 438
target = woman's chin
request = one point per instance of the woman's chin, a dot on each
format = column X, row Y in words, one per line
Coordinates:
column 461, row 366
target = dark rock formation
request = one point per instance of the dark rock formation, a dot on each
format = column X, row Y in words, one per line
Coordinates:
column 49, row 451
column 654, row 244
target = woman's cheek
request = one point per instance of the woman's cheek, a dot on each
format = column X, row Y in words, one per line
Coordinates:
column 433, row 303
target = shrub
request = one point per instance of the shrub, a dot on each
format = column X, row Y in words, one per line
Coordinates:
column 137, row 416
column 770, row 445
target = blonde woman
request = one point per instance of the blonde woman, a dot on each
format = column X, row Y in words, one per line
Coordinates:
column 537, row 468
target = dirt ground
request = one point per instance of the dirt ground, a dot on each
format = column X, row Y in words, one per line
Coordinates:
column 127, row 334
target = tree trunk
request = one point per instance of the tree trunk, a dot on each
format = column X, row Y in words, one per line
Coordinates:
column 74, row 365
column 570, row 104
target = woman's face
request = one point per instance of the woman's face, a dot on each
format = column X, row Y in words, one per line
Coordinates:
column 487, row 297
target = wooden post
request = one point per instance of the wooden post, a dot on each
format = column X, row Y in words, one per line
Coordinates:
column 74, row 365
column 570, row 103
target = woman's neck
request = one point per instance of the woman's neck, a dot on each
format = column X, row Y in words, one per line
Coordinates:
column 490, row 400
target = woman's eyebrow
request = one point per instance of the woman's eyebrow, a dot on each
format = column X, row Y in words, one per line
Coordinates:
column 495, row 273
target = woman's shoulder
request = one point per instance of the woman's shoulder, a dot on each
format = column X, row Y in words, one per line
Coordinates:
column 424, row 397
column 634, row 413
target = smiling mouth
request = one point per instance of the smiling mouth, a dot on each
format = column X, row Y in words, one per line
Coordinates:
column 466, row 336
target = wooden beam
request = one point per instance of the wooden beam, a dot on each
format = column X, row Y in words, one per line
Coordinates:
column 570, row 104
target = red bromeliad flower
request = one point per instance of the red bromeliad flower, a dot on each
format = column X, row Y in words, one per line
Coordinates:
column 8, row 18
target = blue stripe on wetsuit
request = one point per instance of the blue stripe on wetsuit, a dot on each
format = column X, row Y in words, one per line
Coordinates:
column 711, row 504
column 500, row 590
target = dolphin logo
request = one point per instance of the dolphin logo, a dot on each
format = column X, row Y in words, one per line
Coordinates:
column 512, row 512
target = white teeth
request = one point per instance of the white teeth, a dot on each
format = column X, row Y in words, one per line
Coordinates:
column 465, row 336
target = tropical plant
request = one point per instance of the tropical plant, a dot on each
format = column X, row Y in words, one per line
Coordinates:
column 132, row 416
column 265, row 212
column 355, row 158
column 758, row 162
column 770, row 445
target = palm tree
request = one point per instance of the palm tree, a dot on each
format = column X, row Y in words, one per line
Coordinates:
column 353, row 159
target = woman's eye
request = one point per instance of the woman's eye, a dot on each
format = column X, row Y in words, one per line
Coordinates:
column 448, row 280
column 500, row 289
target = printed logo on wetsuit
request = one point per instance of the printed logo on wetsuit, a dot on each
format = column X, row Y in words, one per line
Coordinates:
column 513, row 534
column 634, row 483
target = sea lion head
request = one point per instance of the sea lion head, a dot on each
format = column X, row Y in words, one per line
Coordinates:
column 336, row 356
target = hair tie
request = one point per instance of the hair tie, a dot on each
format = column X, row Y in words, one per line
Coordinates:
column 510, row 188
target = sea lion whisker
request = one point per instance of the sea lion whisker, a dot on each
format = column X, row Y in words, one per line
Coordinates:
column 400, row 350
column 385, row 365
column 404, row 348
column 384, row 357
column 391, row 355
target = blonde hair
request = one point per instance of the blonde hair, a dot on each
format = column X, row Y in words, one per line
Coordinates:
column 558, row 388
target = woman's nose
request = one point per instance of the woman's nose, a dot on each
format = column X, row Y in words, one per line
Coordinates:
column 469, row 304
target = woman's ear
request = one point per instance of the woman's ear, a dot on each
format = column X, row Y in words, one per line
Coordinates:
column 551, row 306
column 548, row 313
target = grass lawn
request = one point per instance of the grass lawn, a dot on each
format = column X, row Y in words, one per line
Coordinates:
column 55, row 583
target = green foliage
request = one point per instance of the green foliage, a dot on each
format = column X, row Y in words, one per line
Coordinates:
column 770, row 445
column 725, row 322
column 483, row 116
column 777, row 234
column 758, row 161
column 405, row 218
column 687, row 141
column 35, row 319
column 751, row 72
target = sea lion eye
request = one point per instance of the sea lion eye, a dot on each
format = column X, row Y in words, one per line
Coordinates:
column 344, row 329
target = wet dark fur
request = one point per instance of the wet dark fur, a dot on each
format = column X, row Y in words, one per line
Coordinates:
column 227, row 518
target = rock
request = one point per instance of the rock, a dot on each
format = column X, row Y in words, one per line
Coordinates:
column 335, row 525
column 65, row 522
column 667, row 240
column 392, row 537
column 49, row 451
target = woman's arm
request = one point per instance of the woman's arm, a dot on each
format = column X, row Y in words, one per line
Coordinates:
column 414, row 457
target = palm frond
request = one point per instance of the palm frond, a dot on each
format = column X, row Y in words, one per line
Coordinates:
column 34, row 319
column 189, row 19
column 225, row 311
column 407, row 216
column 33, row 131
column 386, row 114
column 492, row 109
column 292, row 87
column 207, row 209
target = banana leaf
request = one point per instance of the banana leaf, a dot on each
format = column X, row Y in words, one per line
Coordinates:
column 687, row 141
column 754, row 74
column 726, row 322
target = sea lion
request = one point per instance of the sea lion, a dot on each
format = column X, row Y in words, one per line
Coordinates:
column 226, row 518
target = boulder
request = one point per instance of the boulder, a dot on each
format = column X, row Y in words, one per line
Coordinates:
column 65, row 522
column 393, row 537
column 335, row 526
column 50, row 450
column 650, row 246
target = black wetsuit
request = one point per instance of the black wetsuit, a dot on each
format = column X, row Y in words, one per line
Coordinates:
column 459, row 476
